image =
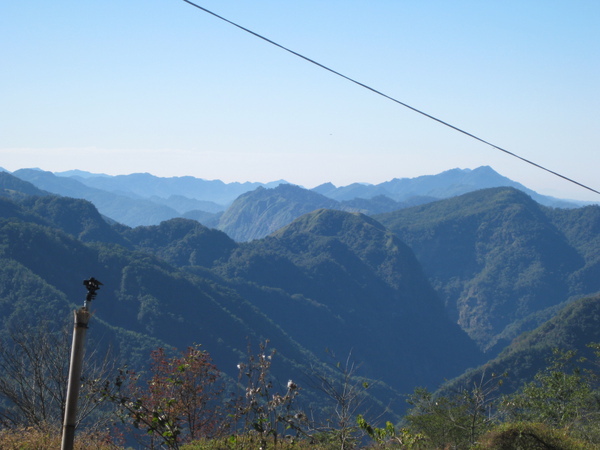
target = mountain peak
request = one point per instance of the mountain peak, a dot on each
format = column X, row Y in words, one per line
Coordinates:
column 258, row 213
column 324, row 188
column 328, row 222
column 79, row 173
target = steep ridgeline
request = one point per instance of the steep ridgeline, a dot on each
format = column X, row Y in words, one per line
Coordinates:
column 581, row 228
column 341, row 281
column 332, row 280
column 572, row 328
column 500, row 260
column 258, row 213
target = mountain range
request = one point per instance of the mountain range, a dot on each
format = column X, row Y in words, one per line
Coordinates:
column 418, row 293
column 331, row 280
column 144, row 199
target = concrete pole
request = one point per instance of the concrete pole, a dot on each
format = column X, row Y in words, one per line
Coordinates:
column 82, row 317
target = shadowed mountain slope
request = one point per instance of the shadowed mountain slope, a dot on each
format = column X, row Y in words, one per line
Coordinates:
column 143, row 302
column 355, row 287
column 11, row 186
column 572, row 328
column 495, row 256
column 182, row 242
column 330, row 280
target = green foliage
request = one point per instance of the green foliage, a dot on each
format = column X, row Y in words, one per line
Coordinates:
column 248, row 443
column 456, row 419
column 561, row 395
column 389, row 436
column 558, row 408
column 530, row 435
column 571, row 329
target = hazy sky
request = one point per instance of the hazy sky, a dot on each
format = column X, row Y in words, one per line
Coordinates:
column 122, row 86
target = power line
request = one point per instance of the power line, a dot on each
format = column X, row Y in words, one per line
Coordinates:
column 429, row 116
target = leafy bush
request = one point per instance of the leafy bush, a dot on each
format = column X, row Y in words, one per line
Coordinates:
column 528, row 435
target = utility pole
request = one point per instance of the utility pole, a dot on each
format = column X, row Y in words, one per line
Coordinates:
column 82, row 317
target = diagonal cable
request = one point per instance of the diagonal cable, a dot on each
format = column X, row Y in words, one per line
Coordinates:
column 429, row 116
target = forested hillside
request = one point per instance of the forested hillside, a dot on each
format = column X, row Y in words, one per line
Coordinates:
column 499, row 260
column 573, row 328
column 330, row 281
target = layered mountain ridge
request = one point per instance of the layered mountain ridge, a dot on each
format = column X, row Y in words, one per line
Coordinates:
column 144, row 199
column 415, row 294
column 332, row 280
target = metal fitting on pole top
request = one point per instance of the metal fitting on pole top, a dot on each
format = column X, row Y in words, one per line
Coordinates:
column 92, row 286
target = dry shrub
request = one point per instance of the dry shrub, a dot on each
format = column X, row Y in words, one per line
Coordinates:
column 34, row 439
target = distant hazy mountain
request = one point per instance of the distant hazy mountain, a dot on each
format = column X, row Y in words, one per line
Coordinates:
column 185, row 204
column 145, row 185
column 258, row 213
column 145, row 199
column 80, row 174
column 121, row 208
column 443, row 185
column 255, row 214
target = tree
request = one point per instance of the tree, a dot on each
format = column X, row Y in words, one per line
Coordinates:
column 560, row 395
column 347, row 391
column 457, row 419
column 388, row 436
column 529, row 435
column 263, row 411
column 177, row 402
column 34, row 366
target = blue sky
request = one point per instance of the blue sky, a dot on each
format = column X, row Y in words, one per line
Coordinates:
column 161, row 87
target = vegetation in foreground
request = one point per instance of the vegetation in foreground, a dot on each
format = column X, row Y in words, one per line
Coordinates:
column 182, row 403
